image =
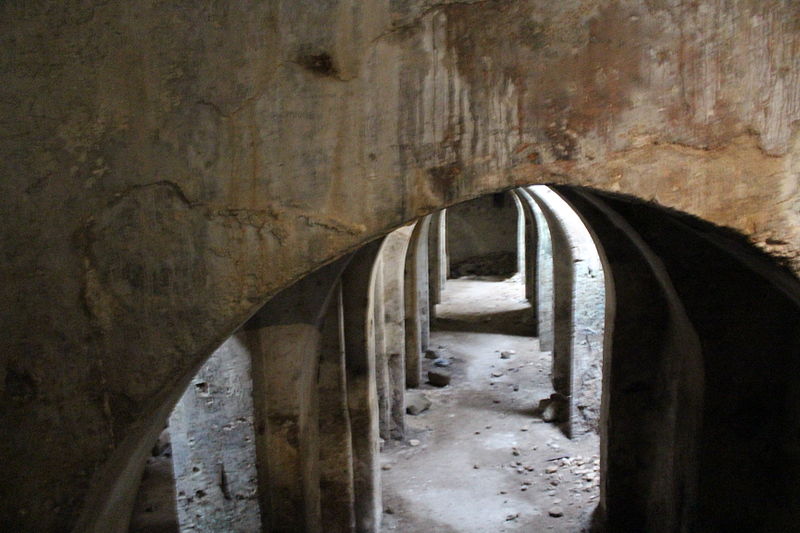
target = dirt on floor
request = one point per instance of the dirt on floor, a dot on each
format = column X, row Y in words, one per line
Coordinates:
column 479, row 459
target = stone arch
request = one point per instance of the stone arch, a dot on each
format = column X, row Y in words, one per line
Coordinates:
column 285, row 341
column 416, row 300
column 544, row 272
column 337, row 493
column 358, row 289
column 579, row 303
column 648, row 336
column 393, row 257
column 695, row 372
column 650, row 491
column 233, row 149
column 523, row 236
column 538, row 268
column 302, row 328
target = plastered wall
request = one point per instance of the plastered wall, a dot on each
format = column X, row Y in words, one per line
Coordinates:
column 167, row 167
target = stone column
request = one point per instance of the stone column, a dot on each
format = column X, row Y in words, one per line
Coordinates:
column 382, row 379
column 336, row 448
column 357, row 292
column 423, row 288
column 416, row 301
column 284, row 339
column 652, row 384
column 436, row 261
column 541, row 264
column 531, row 267
column 523, row 233
column 213, row 445
column 743, row 394
column 579, row 316
column 393, row 253
column 444, row 263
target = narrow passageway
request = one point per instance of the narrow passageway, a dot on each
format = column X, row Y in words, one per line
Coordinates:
column 478, row 459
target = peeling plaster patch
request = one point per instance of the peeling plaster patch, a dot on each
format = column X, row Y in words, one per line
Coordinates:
column 98, row 302
column 562, row 143
column 445, row 180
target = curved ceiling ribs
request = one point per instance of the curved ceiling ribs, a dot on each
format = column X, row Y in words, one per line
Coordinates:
column 168, row 167
column 678, row 374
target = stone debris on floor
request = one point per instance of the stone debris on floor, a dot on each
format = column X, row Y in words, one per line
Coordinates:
column 481, row 458
column 416, row 402
column 438, row 378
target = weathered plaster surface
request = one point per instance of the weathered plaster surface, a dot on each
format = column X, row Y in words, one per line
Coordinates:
column 167, row 167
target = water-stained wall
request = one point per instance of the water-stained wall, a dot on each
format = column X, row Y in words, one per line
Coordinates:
column 167, row 167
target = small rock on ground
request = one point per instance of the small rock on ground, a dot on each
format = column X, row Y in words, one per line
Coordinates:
column 438, row 379
column 416, row 402
column 554, row 409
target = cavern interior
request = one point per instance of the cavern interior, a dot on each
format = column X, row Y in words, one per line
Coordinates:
column 363, row 266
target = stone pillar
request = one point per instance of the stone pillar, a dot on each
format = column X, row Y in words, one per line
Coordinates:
column 393, row 253
column 416, row 301
column 579, row 316
column 745, row 309
column 542, row 260
column 652, row 384
column 444, row 263
column 336, row 448
column 357, row 291
column 523, row 232
column 284, row 339
column 531, row 245
column 382, row 379
column 213, row 445
column 436, row 261
column 423, row 288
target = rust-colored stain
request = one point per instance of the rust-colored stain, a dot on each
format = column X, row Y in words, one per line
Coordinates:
column 444, row 180
column 574, row 70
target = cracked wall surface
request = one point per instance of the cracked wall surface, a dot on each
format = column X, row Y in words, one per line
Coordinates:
column 167, row 167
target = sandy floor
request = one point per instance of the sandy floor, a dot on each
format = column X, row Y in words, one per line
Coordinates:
column 483, row 462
